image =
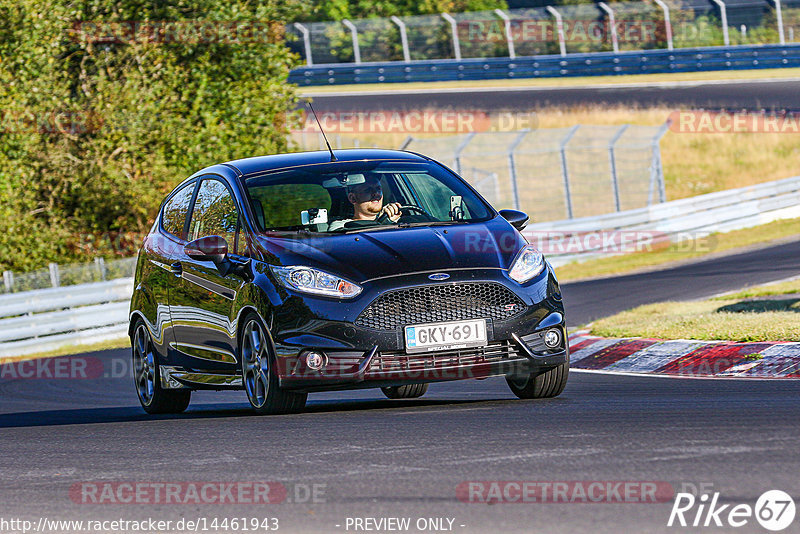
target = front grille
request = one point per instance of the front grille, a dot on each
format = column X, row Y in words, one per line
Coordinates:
column 400, row 361
column 439, row 303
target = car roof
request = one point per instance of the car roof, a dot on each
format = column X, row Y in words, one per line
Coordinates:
column 261, row 164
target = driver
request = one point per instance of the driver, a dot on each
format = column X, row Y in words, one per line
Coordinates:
column 367, row 201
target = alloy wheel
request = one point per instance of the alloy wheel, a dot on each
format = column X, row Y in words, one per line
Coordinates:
column 255, row 364
column 144, row 366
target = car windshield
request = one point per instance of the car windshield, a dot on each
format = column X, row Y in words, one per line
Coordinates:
column 365, row 195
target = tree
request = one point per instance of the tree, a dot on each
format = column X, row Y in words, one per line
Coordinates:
column 107, row 105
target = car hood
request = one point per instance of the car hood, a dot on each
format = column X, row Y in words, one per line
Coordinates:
column 366, row 255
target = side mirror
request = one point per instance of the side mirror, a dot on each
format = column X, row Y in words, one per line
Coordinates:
column 518, row 219
column 210, row 248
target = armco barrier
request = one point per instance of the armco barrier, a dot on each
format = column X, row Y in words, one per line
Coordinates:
column 672, row 221
column 551, row 66
column 46, row 319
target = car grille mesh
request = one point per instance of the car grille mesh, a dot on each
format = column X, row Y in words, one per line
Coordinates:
column 399, row 361
column 439, row 303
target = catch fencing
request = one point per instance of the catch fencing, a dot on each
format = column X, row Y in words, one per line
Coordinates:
column 551, row 173
column 563, row 29
column 557, row 173
column 56, row 275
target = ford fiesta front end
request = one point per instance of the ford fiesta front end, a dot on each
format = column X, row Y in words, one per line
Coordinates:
column 291, row 274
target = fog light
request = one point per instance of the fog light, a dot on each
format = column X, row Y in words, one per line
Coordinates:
column 315, row 360
column 552, row 338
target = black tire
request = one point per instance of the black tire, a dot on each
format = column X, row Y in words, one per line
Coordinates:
column 258, row 373
column 408, row 391
column 541, row 385
column 147, row 376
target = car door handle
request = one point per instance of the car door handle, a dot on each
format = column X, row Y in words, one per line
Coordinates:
column 176, row 268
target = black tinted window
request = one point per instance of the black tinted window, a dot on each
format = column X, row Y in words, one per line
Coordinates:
column 214, row 212
column 283, row 200
column 175, row 211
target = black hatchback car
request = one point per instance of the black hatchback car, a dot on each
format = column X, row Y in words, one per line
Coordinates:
column 317, row 271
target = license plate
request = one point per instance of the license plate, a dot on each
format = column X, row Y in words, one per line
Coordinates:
column 445, row 336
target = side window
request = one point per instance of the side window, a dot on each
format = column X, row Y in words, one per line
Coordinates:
column 214, row 213
column 434, row 195
column 175, row 210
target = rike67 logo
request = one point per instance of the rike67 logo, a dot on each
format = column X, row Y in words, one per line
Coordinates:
column 774, row 510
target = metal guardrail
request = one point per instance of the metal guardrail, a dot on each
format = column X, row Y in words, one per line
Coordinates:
column 550, row 66
column 549, row 29
column 46, row 319
column 672, row 221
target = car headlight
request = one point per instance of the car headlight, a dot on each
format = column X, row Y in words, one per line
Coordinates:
column 529, row 263
column 308, row 280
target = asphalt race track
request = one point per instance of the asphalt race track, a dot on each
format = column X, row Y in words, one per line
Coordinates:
column 586, row 301
column 373, row 457
column 734, row 96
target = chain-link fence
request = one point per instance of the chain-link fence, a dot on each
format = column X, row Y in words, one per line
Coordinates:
column 565, row 29
column 558, row 173
column 67, row 275
column 553, row 173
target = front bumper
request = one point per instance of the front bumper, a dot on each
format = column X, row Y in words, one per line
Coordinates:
column 373, row 368
column 359, row 357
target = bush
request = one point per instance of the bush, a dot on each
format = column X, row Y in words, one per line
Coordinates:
column 96, row 130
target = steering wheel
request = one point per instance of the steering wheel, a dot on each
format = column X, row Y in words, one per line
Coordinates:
column 422, row 215
column 419, row 210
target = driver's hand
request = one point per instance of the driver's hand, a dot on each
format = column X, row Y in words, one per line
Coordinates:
column 392, row 211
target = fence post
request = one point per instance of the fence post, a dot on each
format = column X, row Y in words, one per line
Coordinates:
column 459, row 149
column 564, row 171
column 667, row 22
column 656, row 169
column 54, row 279
column 724, row 15
column 612, row 23
column 662, row 191
column 8, row 280
column 454, row 30
column 306, row 42
column 403, row 38
column 512, row 167
column 613, row 161
column 779, row 16
column 562, row 44
column 507, row 26
column 354, row 33
column 101, row 267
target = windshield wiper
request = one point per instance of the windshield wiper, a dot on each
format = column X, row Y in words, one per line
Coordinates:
column 430, row 223
column 378, row 227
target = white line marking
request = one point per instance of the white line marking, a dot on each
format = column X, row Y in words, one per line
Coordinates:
column 654, row 375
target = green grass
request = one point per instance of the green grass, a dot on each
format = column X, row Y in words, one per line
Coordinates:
column 68, row 350
column 714, row 319
column 678, row 252
column 786, row 287
column 560, row 82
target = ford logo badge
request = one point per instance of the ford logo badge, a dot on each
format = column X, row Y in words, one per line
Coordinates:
column 439, row 276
